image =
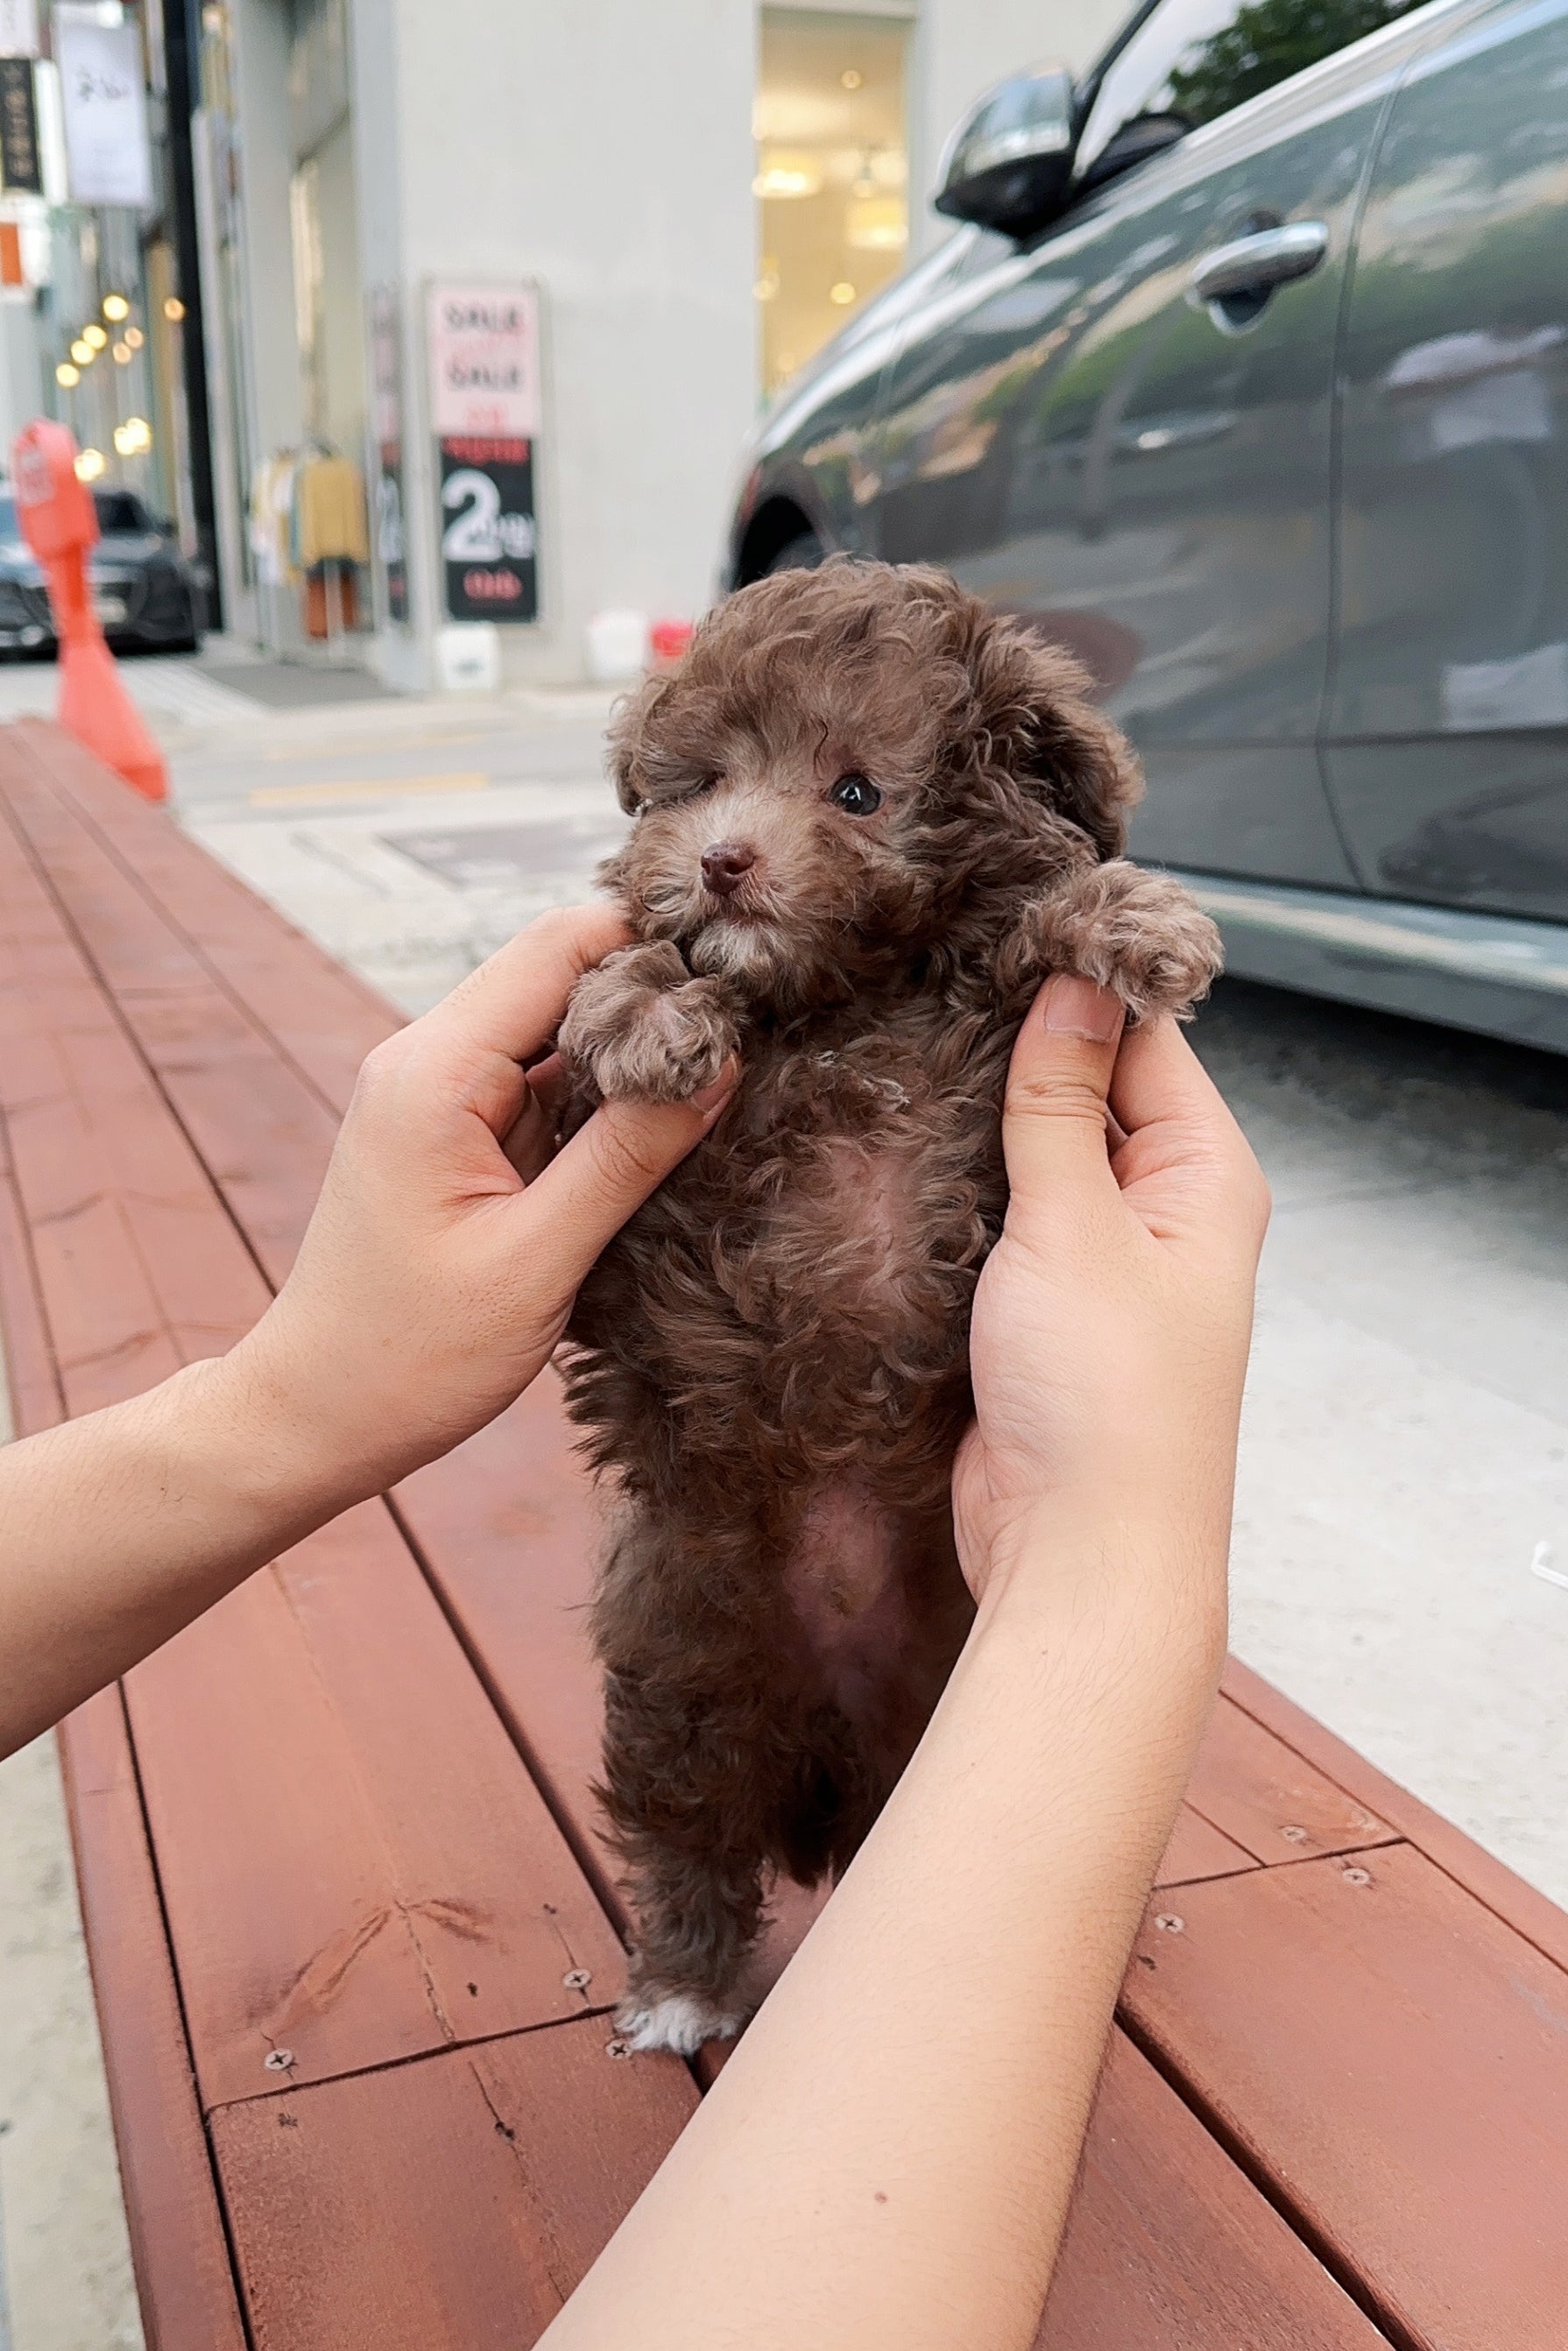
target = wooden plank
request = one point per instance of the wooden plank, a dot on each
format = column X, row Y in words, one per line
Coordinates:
column 324, row 1018
column 355, row 1865
column 1168, row 2244
column 260, row 1128
column 184, row 2278
column 398, row 1785
column 457, row 2202
column 1269, row 1799
column 1527, row 1910
column 449, row 2205
column 1197, row 1849
column 1392, row 2060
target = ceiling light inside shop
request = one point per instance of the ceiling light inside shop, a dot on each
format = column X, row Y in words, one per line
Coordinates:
column 877, row 224
column 116, row 306
column 90, row 464
column 766, row 287
column 844, row 293
column 68, row 375
column 174, row 308
column 94, row 335
column 135, row 338
column 122, row 351
column 851, row 77
column 82, row 352
column 785, row 175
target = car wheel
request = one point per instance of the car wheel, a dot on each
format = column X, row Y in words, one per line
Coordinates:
column 804, row 552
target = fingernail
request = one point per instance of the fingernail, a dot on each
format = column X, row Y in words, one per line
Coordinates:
column 723, row 1085
column 1076, row 1007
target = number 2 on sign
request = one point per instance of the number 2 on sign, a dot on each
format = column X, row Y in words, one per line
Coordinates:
column 481, row 533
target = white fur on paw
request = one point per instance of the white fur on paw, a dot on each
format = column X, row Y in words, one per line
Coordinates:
column 678, row 2022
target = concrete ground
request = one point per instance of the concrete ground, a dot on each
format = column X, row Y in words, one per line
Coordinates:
column 1403, row 1505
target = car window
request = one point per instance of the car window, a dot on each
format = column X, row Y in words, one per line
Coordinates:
column 1193, row 61
column 120, row 513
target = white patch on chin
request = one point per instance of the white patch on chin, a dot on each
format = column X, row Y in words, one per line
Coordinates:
column 731, row 950
column 679, row 2021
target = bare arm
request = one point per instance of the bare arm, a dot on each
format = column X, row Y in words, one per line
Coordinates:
column 888, row 2158
column 436, row 1277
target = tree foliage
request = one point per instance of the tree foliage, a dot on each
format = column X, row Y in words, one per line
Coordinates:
column 1267, row 41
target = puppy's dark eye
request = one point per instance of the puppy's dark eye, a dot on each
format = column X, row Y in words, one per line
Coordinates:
column 856, row 795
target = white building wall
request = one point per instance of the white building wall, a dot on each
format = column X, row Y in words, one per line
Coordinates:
column 603, row 149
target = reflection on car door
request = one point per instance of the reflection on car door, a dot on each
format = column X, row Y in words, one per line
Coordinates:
column 1149, row 476
column 1448, row 750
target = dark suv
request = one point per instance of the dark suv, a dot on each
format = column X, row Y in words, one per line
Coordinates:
column 1245, row 376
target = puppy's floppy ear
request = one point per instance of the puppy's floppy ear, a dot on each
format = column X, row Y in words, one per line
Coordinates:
column 1032, row 700
column 628, row 724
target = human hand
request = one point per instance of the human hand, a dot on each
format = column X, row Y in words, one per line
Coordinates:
column 1112, row 1320
column 450, row 1239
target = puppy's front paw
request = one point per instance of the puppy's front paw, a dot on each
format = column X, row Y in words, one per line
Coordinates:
column 1142, row 934
column 677, row 2020
column 644, row 1031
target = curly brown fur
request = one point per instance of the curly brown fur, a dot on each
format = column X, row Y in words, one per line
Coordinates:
column 772, row 1358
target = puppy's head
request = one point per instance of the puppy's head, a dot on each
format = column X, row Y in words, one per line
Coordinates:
column 854, row 768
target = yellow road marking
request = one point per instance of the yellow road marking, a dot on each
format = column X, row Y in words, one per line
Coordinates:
column 390, row 788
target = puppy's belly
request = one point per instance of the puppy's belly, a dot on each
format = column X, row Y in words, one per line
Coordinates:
column 844, row 1583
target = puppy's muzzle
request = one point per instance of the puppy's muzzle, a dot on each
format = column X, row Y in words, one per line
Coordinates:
column 726, row 864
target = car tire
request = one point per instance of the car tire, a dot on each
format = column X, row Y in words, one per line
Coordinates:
column 804, row 552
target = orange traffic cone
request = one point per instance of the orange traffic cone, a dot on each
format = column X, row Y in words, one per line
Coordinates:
column 59, row 523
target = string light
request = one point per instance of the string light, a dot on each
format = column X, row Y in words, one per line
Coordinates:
column 135, row 338
column 116, row 306
column 95, row 336
column 82, row 351
column 68, row 375
column 90, row 464
column 121, row 354
column 174, row 308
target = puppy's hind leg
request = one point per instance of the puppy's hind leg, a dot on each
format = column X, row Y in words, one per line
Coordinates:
column 685, row 1819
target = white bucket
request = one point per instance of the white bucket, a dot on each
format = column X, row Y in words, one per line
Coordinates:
column 617, row 646
column 468, row 657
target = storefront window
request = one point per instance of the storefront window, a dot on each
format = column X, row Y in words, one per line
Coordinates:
column 833, row 173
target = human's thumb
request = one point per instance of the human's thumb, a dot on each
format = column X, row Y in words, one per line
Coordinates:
column 605, row 1173
column 1053, row 1123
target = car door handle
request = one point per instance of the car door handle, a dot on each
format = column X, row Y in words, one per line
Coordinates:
column 1257, row 263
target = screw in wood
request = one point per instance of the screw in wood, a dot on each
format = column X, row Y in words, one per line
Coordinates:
column 1294, row 1835
column 1169, row 1923
column 1357, row 1877
column 617, row 2049
column 576, row 1979
column 278, row 2061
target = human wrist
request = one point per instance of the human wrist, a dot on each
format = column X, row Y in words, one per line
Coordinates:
column 1152, row 1581
column 277, row 1437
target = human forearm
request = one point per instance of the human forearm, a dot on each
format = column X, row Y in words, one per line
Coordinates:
column 121, row 1527
column 927, row 2062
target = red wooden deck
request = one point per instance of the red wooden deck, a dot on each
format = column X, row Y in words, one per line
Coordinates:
column 351, row 1926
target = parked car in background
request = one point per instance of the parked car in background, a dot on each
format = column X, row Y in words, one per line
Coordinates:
column 146, row 594
column 1246, row 377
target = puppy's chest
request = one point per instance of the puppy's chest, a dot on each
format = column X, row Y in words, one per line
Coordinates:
column 860, row 1193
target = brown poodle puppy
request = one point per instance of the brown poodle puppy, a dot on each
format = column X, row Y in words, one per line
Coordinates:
column 872, row 817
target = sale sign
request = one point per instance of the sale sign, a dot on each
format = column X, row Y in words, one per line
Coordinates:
column 488, row 539
column 484, row 343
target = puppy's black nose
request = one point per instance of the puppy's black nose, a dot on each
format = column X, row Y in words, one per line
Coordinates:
column 726, row 864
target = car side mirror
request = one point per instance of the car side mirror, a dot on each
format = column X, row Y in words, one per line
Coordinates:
column 1007, row 164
